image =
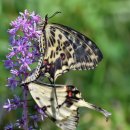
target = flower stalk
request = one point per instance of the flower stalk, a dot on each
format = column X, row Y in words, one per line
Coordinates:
column 23, row 53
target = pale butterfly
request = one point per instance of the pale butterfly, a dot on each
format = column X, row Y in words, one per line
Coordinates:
column 65, row 113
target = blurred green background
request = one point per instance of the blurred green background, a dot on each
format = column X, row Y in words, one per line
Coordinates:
column 107, row 22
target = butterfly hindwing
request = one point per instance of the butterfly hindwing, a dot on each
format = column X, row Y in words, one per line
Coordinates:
column 67, row 116
column 65, row 113
column 45, row 98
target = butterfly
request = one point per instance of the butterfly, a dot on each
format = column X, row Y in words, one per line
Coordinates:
column 66, row 114
column 62, row 49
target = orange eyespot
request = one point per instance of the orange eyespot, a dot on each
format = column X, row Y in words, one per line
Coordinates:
column 70, row 94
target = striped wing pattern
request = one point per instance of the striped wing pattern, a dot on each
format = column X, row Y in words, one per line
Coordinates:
column 62, row 49
column 65, row 115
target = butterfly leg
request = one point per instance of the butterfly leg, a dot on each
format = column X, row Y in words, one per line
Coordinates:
column 36, row 73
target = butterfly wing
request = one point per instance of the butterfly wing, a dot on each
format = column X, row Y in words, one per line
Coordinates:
column 66, row 49
column 45, row 99
column 65, row 117
column 70, row 123
column 69, row 100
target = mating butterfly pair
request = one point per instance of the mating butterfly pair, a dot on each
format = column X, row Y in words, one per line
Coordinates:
column 62, row 49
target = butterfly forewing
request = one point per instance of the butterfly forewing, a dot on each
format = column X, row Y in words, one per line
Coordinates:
column 64, row 49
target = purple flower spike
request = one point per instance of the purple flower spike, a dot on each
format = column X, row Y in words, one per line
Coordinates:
column 24, row 52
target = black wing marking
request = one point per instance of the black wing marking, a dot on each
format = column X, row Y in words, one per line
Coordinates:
column 82, row 37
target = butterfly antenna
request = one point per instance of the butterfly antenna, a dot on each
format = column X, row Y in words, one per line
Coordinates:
column 57, row 12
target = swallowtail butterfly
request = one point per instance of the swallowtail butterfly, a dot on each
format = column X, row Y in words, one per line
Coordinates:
column 65, row 115
column 62, row 49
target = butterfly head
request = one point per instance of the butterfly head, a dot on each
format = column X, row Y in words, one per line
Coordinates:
column 45, row 21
